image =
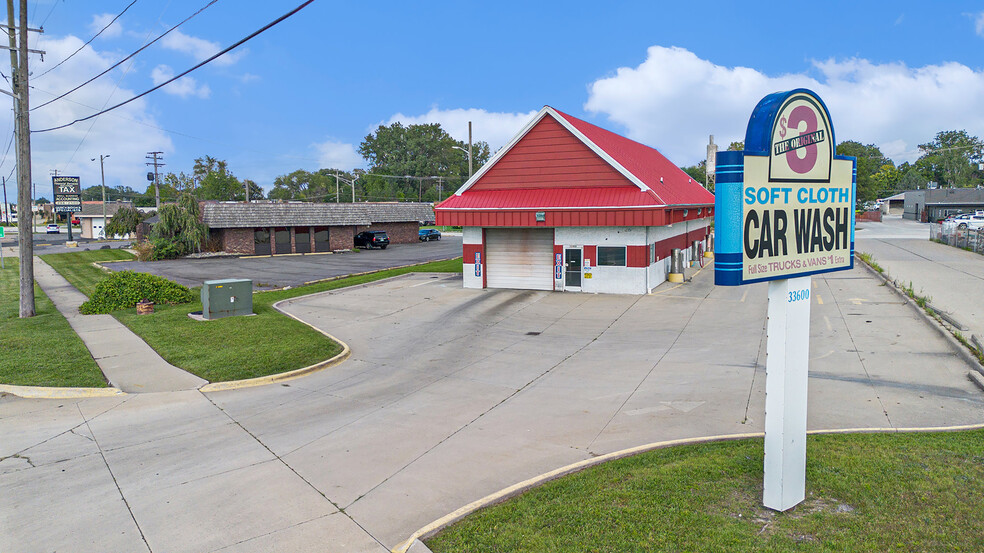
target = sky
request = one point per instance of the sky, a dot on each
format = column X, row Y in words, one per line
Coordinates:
column 306, row 92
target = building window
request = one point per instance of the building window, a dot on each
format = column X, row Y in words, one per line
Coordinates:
column 652, row 253
column 611, row 256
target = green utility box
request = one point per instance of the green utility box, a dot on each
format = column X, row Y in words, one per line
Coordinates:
column 227, row 298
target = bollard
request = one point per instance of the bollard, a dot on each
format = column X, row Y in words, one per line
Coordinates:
column 676, row 266
column 709, row 252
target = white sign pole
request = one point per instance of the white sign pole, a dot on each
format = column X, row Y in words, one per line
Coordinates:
column 786, row 372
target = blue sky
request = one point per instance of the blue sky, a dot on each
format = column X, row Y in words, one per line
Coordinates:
column 304, row 94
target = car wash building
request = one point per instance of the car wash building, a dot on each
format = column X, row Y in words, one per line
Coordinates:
column 567, row 205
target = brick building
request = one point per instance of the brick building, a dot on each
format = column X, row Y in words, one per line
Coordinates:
column 273, row 228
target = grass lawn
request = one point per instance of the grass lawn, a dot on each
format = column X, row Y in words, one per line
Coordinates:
column 77, row 267
column 233, row 348
column 42, row 350
column 865, row 492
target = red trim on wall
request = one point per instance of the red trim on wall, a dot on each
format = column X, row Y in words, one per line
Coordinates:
column 637, row 256
column 642, row 217
column 590, row 252
column 468, row 252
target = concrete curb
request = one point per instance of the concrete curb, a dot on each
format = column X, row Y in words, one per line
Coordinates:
column 958, row 348
column 42, row 392
column 517, row 489
column 290, row 375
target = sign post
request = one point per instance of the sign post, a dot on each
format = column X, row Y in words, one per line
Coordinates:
column 785, row 211
column 1, row 249
column 68, row 197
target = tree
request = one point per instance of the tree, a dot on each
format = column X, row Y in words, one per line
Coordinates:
column 216, row 182
column 124, row 221
column 870, row 162
column 952, row 159
column 179, row 230
column 736, row 146
column 416, row 151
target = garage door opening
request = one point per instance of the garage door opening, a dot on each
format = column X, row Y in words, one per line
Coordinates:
column 520, row 258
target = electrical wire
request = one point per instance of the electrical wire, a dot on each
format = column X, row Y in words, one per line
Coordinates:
column 182, row 74
column 122, row 61
column 87, row 42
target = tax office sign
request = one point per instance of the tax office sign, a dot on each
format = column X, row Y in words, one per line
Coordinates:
column 784, row 210
column 785, row 205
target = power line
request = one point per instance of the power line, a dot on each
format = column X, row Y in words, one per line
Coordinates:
column 122, row 61
column 89, row 41
column 182, row 74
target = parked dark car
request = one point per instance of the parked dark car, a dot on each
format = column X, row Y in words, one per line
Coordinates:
column 428, row 234
column 372, row 239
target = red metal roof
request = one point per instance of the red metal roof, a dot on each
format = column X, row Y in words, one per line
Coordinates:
column 646, row 164
column 546, row 198
column 560, row 162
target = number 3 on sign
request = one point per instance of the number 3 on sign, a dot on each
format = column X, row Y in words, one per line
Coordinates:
column 799, row 295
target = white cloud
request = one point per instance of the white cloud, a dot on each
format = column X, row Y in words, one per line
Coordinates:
column 494, row 128
column 674, row 100
column 338, row 155
column 247, row 78
column 126, row 133
column 979, row 24
column 199, row 48
column 100, row 21
column 183, row 87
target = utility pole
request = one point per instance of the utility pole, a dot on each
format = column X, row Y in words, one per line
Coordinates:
column 469, row 150
column 6, row 206
column 20, row 93
column 246, row 186
column 336, row 187
column 158, row 161
column 102, row 171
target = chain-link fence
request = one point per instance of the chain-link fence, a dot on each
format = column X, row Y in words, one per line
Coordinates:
column 968, row 239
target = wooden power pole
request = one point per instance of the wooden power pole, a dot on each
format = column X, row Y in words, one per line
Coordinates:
column 22, row 127
column 156, row 161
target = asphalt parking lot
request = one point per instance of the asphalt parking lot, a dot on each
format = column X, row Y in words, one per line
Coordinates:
column 293, row 270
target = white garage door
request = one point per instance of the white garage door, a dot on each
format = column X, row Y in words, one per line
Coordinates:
column 520, row 258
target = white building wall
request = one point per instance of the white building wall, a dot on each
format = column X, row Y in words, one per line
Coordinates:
column 471, row 235
column 606, row 280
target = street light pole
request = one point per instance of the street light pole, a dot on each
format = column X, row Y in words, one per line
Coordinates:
column 102, row 170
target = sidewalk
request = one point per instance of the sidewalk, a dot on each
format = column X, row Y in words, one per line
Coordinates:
column 127, row 361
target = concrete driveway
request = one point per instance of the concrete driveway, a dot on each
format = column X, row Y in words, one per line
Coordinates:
column 293, row 270
column 952, row 278
column 450, row 394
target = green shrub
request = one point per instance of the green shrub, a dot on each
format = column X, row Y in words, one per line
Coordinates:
column 165, row 248
column 124, row 289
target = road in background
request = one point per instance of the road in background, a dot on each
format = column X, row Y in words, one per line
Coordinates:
column 952, row 278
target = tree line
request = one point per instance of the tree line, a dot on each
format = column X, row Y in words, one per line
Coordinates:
column 952, row 159
column 406, row 163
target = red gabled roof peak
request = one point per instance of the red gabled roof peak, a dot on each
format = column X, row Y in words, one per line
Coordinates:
column 670, row 183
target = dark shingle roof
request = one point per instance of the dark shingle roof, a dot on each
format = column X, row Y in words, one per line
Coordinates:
column 96, row 209
column 243, row 215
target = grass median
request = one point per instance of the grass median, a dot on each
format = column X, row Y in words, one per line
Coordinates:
column 232, row 348
column 865, row 492
column 42, row 350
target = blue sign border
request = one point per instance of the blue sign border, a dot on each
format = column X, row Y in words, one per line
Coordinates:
column 730, row 181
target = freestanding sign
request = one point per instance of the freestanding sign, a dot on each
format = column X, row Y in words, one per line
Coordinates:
column 784, row 211
column 68, row 194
